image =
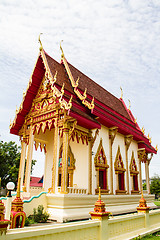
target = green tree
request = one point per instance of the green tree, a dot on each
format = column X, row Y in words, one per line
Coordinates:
column 144, row 186
column 9, row 162
column 155, row 185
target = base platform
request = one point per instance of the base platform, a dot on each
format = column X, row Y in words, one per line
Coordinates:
column 68, row 207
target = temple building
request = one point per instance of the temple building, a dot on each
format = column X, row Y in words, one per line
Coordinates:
column 89, row 137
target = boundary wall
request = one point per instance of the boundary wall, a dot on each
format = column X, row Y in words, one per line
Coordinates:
column 120, row 227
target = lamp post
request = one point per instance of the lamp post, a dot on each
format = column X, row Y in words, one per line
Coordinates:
column 10, row 186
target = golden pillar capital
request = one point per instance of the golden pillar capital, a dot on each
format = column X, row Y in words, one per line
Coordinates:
column 142, row 156
column 112, row 133
column 128, row 139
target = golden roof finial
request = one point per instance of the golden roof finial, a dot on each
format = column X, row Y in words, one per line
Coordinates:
column 39, row 40
column 121, row 93
column 99, row 197
column 62, row 55
column 143, row 130
column 148, row 136
column 129, row 108
column 135, row 120
column 156, row 147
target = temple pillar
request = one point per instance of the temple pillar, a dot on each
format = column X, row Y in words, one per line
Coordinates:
column 65, row 158
column 22, row 162
column 90, row 163
column 128, row 140
column 112, row 134
column 29, row 161
column 147, row 176
column 142, row 157
column 55, row 156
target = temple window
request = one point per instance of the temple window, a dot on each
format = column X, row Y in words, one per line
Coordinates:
column 134, row 175
column 101, row 169
column 71, row 167
column 120, row 173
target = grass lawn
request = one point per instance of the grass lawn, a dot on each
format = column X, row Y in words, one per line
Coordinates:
column 153, row 236
column 157, row 203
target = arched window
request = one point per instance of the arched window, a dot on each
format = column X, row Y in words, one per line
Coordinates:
column 101, row 168
column 120, row 173
column 134, row 175
column 71, row 166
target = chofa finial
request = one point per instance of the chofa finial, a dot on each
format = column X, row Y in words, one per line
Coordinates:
column 121, row 93
column 62, row 55
column 39, row 40
column 129, row 108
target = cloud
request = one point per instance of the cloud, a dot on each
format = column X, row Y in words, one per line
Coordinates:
column 116, row 43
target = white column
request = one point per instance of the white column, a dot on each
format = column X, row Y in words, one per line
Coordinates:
column 147, row 176
column 29, row 161
column 22, row 162
column 57, row 160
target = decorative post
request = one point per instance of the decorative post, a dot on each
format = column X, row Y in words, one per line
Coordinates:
column 143, row 208
column 100, row 213
column 29, row 161
column 128, row 140
column 17, row 210
column 3, row 222
column 65, row 157
column 112, row 134
column 10, row 186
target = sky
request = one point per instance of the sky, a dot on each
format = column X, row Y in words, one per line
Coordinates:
column 116, row 43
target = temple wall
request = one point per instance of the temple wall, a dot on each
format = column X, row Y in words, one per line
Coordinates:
column 48, row 137
column 80, row 175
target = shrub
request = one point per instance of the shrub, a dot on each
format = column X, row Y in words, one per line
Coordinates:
column 39, row 216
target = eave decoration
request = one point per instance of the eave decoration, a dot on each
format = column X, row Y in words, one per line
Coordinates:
column 133, row 166
column 118, row 164
column 100, row 159
column 74, row 84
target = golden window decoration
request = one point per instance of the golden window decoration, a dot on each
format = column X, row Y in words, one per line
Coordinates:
column 120, row 172
column 100, row 159
column 118, row 164
column 101, row 165
column 134, row 175
column 133, row 166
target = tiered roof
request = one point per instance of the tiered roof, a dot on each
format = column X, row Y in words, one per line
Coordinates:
column 92, row 105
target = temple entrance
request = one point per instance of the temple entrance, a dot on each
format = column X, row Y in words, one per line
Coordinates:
column 101, row 168
column 121, row 181
column 102, row 179
column 135, row 183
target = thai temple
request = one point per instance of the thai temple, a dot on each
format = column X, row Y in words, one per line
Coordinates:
column 89, row 137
